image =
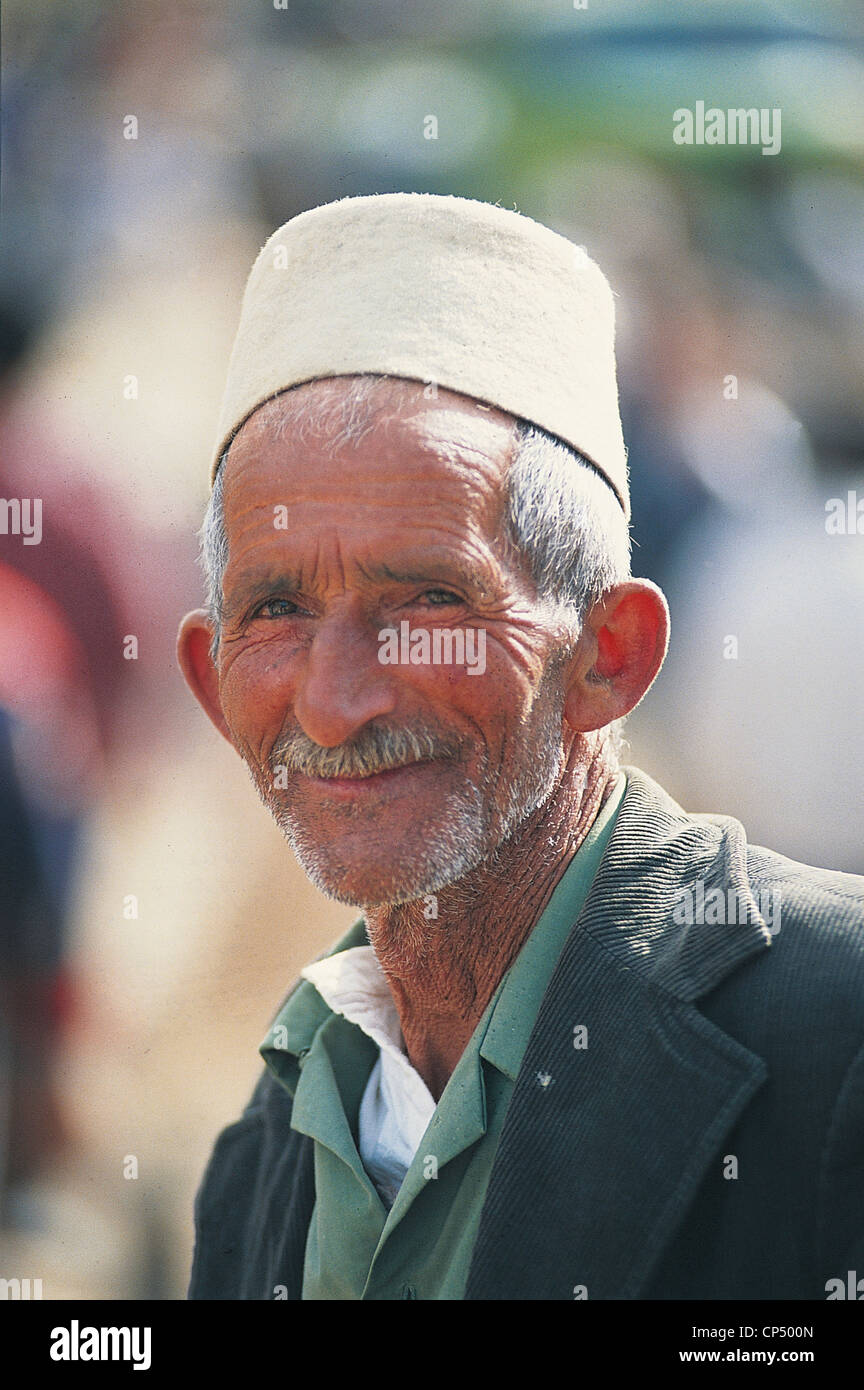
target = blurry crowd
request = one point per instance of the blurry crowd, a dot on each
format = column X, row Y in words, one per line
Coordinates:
column 151, row 918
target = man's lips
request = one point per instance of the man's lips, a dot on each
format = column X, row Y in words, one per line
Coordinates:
column 354, row 786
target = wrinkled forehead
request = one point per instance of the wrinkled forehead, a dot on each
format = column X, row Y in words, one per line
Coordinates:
column 371, row 435
column 417, row 481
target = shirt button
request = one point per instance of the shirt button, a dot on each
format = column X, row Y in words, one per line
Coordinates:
column 409, row 1291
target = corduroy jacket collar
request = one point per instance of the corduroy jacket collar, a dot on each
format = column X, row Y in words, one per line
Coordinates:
column 596, row 1167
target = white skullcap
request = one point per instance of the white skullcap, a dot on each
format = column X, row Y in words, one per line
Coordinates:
column 475, row 298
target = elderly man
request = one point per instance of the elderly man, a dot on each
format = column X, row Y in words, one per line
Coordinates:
column 580, row 1044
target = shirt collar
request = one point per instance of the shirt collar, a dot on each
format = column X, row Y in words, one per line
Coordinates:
column 301, row 1016
column 352, row 983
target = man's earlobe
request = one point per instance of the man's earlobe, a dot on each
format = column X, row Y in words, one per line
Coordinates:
column 194, row 641
column 624, row 641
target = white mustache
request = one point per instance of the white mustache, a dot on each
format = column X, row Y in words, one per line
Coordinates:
column 377, row 750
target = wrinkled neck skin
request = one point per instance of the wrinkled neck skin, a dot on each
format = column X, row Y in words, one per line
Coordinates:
column 443, row 972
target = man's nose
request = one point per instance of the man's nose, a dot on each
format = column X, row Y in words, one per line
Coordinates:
column 343, row 685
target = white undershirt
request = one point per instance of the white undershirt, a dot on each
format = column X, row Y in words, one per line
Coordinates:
column 397, row 1105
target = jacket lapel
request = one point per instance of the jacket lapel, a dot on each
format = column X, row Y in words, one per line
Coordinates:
column 610, row 1130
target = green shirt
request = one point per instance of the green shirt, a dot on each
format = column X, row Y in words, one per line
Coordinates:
column 421, row 1247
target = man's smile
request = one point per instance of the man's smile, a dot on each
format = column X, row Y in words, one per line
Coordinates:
column 370, row 783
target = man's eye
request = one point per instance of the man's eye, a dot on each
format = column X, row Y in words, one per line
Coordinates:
column 440, row 598
column 276, row 608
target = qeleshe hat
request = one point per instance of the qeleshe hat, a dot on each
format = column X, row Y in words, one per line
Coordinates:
column 473, row 297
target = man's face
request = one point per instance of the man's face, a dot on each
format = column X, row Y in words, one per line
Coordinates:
column 327, row 548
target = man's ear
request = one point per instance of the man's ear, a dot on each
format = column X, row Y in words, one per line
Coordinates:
column 196, row 663
column 619, row 653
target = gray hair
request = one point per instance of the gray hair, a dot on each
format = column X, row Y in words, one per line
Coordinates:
column 562, row 518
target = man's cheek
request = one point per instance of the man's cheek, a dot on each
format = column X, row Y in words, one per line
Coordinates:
column 253, row 738
column 255, row 704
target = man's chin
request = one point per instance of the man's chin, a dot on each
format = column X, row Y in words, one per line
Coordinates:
column 369, row 861
column 366, row 883
column 367, row 887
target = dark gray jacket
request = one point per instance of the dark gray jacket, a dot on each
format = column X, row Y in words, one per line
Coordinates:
column 708, row 1143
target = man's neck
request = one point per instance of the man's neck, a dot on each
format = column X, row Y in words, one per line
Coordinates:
column 443, row 972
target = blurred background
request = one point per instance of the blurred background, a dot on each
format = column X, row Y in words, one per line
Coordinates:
column 151, row 918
